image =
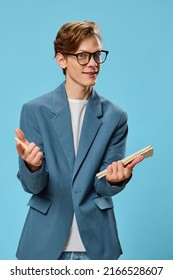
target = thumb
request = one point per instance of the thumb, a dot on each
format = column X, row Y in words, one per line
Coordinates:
column 21, row 136
column 135, row 161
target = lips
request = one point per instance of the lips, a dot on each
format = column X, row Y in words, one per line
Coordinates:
column 90, row 73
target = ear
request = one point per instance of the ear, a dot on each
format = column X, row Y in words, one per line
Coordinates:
column 61, row 60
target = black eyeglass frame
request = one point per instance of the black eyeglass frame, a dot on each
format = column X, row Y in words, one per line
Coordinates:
column 89, row 57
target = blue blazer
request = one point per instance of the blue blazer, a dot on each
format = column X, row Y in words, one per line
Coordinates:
column 66, row 185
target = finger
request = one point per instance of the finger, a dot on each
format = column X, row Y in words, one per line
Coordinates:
column 32, row 151
column 112, row 175
column 114, row 167
column 31, row 147
column 109, row 170
column 25, row 151
column 120, row 166
column 21, row 136
column 118, row 172
column 35, row 161
column 20, row 146
column 33, row 156
column 135, row 161
column 38, row 159
column 121, row 172
column 19, row 142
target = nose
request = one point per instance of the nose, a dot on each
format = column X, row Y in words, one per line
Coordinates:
column 92, row 61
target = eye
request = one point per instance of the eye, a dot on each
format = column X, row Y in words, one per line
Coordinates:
column 98, row 54
column 83, row 55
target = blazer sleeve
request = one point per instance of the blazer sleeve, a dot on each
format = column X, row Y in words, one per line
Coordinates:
column 115, row 151
column 32, row 182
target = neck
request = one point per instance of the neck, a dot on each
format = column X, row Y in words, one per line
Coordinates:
column 77, row 91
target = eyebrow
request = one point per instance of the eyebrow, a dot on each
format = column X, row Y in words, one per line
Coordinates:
column 87, row 51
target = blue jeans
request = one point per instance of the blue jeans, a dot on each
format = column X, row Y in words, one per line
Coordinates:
column 73, row 256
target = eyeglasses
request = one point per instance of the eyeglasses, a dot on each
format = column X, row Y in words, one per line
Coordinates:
column 83, row 58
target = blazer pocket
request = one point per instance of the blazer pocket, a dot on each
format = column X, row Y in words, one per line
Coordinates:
column 39, row 203
column 104, row 202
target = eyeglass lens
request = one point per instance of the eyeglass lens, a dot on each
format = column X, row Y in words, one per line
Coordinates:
column 84, row 57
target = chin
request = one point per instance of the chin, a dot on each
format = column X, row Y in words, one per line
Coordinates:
column 92, row 83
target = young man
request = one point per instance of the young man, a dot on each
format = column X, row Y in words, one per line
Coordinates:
column 69, row 135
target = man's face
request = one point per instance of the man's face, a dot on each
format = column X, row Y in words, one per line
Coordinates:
column 83, row 75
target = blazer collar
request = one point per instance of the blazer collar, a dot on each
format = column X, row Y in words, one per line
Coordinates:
column 62, row 124
column 59, row 100
column 90, row 127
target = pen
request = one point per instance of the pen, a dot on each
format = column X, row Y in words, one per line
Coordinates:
column 20, row 142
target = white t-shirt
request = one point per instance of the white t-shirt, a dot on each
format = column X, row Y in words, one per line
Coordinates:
column 77, row 110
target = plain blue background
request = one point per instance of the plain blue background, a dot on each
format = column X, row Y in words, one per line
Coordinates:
column 138, row 76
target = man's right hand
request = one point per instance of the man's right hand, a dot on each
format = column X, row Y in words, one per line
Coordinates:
column 29, row 152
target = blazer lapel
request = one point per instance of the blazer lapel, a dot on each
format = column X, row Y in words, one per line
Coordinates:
column 90, row 127
column 62, row 123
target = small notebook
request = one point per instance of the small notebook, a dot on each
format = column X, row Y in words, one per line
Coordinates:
column 146, row 152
